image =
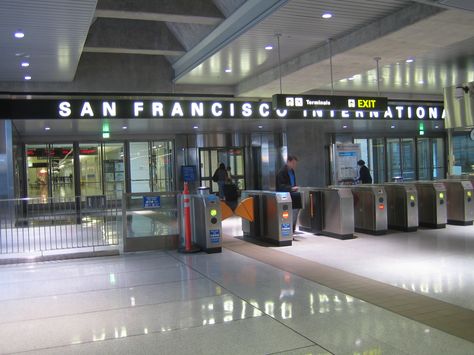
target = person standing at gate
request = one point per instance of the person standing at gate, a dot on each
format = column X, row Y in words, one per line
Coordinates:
column 220, row 176
column 286, row 182
column 364, row 173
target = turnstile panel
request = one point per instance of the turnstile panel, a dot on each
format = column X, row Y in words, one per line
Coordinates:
column 460, row 207
column 370, row 213
column 402, row 206
column 431, row 204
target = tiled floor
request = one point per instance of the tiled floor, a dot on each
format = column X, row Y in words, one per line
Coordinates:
column 170, row 303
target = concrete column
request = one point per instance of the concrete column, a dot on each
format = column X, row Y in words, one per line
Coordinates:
column 310, row 145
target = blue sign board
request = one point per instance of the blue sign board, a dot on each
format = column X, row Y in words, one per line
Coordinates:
column 347, row 154
column 215, row 236
column 151, row 202
column 285, row 229
column 189, row 173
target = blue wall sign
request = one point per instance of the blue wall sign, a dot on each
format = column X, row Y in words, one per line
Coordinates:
column 151, row 202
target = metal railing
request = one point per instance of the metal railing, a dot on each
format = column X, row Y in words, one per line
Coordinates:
column 45, row 224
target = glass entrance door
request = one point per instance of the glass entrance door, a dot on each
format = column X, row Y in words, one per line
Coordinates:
column 50, row 171
column 232, row 157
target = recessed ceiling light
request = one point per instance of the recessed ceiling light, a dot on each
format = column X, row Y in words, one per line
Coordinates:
column 345, row 126
column 195, row 127
column 410, row 60
column 260, row 127
column 436, row 126
column 228, row 70
column 268, row 47
column 27, row 77
column 124, row 127
column 326, row 15
column 19, row 34
column 392, row 126
column 47, row 128
column 25, row 64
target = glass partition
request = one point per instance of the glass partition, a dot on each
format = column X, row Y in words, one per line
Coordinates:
column 408, row 159
column 394, row 167
column 140, row 167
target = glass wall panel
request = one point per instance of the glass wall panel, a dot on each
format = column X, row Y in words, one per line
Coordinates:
column 439, row 170
column 394, row 167
column 377, row 147
column 62, row 170
column 114, row 170
column 38, row 171
column 140, row 167
column 90, row 169
column 408, row 159
column 162, row 166
column 424, row 161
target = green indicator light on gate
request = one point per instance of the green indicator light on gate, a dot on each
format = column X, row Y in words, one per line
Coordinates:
column 105, row 130
column 412, row 198
column 469, row 194
column 213, row 212
column 441, row 195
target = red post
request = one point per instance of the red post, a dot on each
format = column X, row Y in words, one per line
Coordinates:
column 187, row 218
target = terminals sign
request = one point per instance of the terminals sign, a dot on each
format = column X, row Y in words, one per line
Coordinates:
column 329, row 102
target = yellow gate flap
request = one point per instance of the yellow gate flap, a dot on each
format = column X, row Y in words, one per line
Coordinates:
column 226, row 211
column 245, row 209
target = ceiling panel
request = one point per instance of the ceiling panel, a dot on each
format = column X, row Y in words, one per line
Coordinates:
column 301, row 27
column 55, row 32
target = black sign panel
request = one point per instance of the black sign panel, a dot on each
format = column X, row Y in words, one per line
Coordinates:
column 336, row 103
column 169, row 108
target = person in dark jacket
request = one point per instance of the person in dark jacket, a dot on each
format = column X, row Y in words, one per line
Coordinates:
column 286, row 182
column 364, row 173
column 220, row 176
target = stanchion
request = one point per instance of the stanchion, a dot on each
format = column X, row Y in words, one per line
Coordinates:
column 188, row 245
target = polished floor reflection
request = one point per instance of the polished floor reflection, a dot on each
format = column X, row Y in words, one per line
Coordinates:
column 170, row 303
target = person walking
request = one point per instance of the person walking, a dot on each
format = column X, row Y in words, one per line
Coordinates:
column 220, row 176
column 286, row 182
column 364, row 173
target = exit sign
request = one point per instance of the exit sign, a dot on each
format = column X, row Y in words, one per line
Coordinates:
column 329, row 102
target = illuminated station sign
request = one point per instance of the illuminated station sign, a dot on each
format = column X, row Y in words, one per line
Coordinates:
column 336, row 103
column 282, row 107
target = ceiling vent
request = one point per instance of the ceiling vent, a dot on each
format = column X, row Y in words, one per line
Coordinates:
column 458, row 4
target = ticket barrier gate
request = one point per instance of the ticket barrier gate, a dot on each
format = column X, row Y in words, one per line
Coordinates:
column 327, row 211
column 402, row 206
column 459, row 204
column 207, row 213
column 370, row 212
column 267, row 215
column 431, row 204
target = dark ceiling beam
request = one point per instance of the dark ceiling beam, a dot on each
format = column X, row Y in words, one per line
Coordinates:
column 244, row 18
column 132, row 37
column 202, row 12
